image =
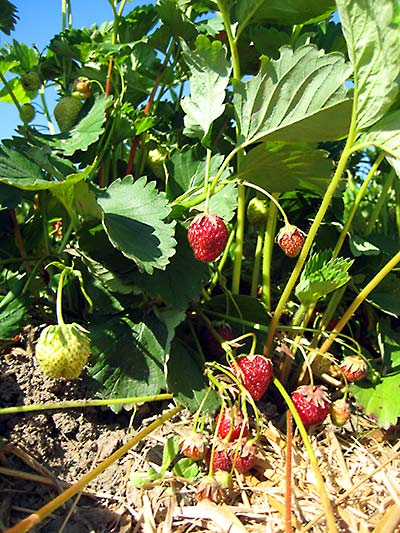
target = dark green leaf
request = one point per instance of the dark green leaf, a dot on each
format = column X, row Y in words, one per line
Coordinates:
column 8, row 16
column 13, row 309
column 281, row 167
column 286, row 13
column 134, row 214
column 128, row 359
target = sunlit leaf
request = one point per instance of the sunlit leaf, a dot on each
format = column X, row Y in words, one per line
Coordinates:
column 374, row 49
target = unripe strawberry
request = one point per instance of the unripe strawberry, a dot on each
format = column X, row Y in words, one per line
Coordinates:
column 156, row 159
column 210, row 488
column 340, row 412
column 67, row 111
column 257, row 211
column 82, row 88
column 194, row 446
column 353, row 368
column 31, row 80
column 27, row 113
column 291, row 239
column 63, row 350
column 312, row 404
column 207, row 236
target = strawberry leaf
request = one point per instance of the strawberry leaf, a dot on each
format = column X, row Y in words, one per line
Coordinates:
column 133, row 218
column 322, row 275
column 385, row 134
column 210, row 71
column 299, row 97
column 373, row 45
column 303, row 167
column 128, row 359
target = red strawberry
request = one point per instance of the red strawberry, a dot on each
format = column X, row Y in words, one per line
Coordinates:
column 245, row 459
column 312, row 404
column 340, row 412
column 255, row 373
column 211, row 347
column 194, row 446
column 207, row 236
column 221, row 459
column 291, row 239
column 353, row 368
column 231, row 424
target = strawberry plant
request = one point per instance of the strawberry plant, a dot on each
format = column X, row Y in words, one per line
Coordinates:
column 188, row 142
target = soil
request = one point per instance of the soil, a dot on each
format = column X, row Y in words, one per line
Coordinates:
column 45, row 452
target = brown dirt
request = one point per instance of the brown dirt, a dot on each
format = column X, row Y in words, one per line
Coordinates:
column 43, row 452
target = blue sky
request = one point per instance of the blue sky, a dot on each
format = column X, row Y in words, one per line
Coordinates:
column 39, row 21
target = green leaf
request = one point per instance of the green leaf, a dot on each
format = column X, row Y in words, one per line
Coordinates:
column 13, row 314
column 170, row 451
column 183, row 268
column 385, row 134
column 128, row 359
column 19, row 171
column 389, row 346
column 322, row 275
column 186, row 468
column 86, row 132
column 210, row 72
column 380, row 401
column 18, row 90
column 8, row 16
column 177, row 22
column 133, row 218
column 299, row 97
column 281, row 167
column 387, row 295
column 374, row 49
column 286, row 13
column 189, row 389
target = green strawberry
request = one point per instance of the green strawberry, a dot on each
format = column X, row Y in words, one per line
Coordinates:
column 63, row 350
column 257, row 211
column 31, row 80
column 67, row 111
column 27, row 113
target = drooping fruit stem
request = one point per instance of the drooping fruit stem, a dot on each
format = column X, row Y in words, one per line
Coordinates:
column 267, row 252
column 257, row 261
column 60, row 319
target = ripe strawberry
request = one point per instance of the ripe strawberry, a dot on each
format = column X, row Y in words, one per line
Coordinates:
column 67, row 111
column 245, row 459
column 207, row 236
column 257, row 211
column 221, row 460
column 312, row 404
column 291, row 239
column 82, row 88
column 354, row 368
column 256, row 373
column 340, row 412
column 231, row 424
column 211, row 347
column 194, row 446
column 27, row 113
column 31, row 80
column 63, row 350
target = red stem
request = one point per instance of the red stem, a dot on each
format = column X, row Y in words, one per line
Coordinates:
column 146, row 110
column 288, row 481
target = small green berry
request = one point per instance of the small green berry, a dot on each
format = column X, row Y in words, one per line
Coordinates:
column 257, row 211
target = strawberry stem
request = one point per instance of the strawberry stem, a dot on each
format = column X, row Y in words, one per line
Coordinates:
column 267, row 253
column 38, row 516
column 271, row 197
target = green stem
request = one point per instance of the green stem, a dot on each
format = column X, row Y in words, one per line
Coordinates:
column 10, row 92
column 206, row 180
column 79, row 404
column 267, row 252
column 309, row 241
column 38, row 516
column 60, row 319
column 330, row 519
column 257, row 262
column 272, row 197
column 397, row 199
column 379, row 204
column 358, row 300
column 238, row 250
column 46, row 111
column 356, row 203
column 221, row 263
